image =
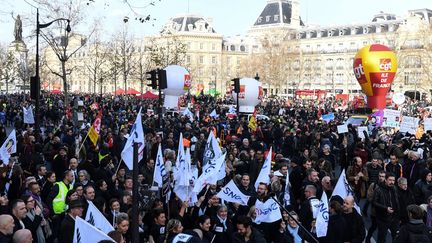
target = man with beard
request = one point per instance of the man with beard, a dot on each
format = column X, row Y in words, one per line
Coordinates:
column 386, row 203
column 246, row 233
column 370, row 193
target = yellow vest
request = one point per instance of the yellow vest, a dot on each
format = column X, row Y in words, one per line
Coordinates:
column 101, row 156
column 59, row 202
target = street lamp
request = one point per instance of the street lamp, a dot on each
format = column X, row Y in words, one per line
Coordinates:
column 40, row 26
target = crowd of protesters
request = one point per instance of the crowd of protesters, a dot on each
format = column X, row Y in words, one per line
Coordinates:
column 57, row 171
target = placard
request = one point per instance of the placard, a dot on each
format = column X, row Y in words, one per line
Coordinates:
column 428, row 124
column 342, row 128
column 360, row 131
column 391, row 118
column 409, row 124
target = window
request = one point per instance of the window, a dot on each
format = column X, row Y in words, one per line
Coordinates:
column 232, row 48
column 242, row 48
column 259, row 20
column 213, row 46
column 201, row 46
column 188, row 59
column 201, row 59
column 214, row 60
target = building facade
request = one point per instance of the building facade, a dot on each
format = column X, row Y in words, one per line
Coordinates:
column 285, row 52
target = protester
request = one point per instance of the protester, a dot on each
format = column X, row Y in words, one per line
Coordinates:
column 60, row 164
column 415, row 230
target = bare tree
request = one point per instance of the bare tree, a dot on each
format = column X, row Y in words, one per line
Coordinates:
column 275, row 63
column 123, row 50
column 97, row 58
column 114, row 64
column 142, row 66
column 166, row 50
column 62, row 42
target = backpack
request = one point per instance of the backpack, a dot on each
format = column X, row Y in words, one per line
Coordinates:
column 420, row 237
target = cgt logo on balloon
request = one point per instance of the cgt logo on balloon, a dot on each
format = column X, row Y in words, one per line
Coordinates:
column 359, row 71
column 375, row 67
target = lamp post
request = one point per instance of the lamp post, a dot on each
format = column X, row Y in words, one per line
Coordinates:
column 40, row 26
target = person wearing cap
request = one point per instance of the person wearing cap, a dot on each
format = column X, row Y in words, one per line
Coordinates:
column 60, row 161
column 67, row 226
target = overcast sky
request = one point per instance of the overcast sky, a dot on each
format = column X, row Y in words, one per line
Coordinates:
column 230, row 17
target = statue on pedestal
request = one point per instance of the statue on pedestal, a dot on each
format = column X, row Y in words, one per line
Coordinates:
column 18, row 29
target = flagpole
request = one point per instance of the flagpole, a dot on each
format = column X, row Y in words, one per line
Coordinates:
column 82, row 144
column 118, row 166
column 298, row 223
column 135, row 230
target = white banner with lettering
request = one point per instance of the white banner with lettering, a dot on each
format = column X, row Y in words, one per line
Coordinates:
column 231, row 193
column 267, row 212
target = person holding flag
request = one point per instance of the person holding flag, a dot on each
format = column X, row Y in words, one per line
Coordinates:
column 94, row 130
column 253, row 122
column 136, row 136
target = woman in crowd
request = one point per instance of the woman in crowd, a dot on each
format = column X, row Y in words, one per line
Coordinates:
column 34, row 219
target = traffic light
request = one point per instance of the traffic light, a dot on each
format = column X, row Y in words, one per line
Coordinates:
column 162, row 78
column 257, row 78
column 153, row 79
column 34, row 88
column 236, row 85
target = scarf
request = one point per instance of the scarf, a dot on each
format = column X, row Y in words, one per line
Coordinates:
column 223, row 221
column 429, row 217
column 39, row 232
column 294, row 233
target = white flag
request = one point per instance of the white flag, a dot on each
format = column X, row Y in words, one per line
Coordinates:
column 209, row 174
column 343, row 189
column 9, row 147
column 181, row 238
column 85, row 232
column 231, row 193
column 137, row 136
column 212, row 150
column 28, row 115
column 186, row 193
column 214, row 114
column 189, row 114
column 97, row 219
column 159, row 170
column 222, row 172
column 267, row 212
column 287, row 196
column 264, row 175
column 181, row 171
column 322, row 217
